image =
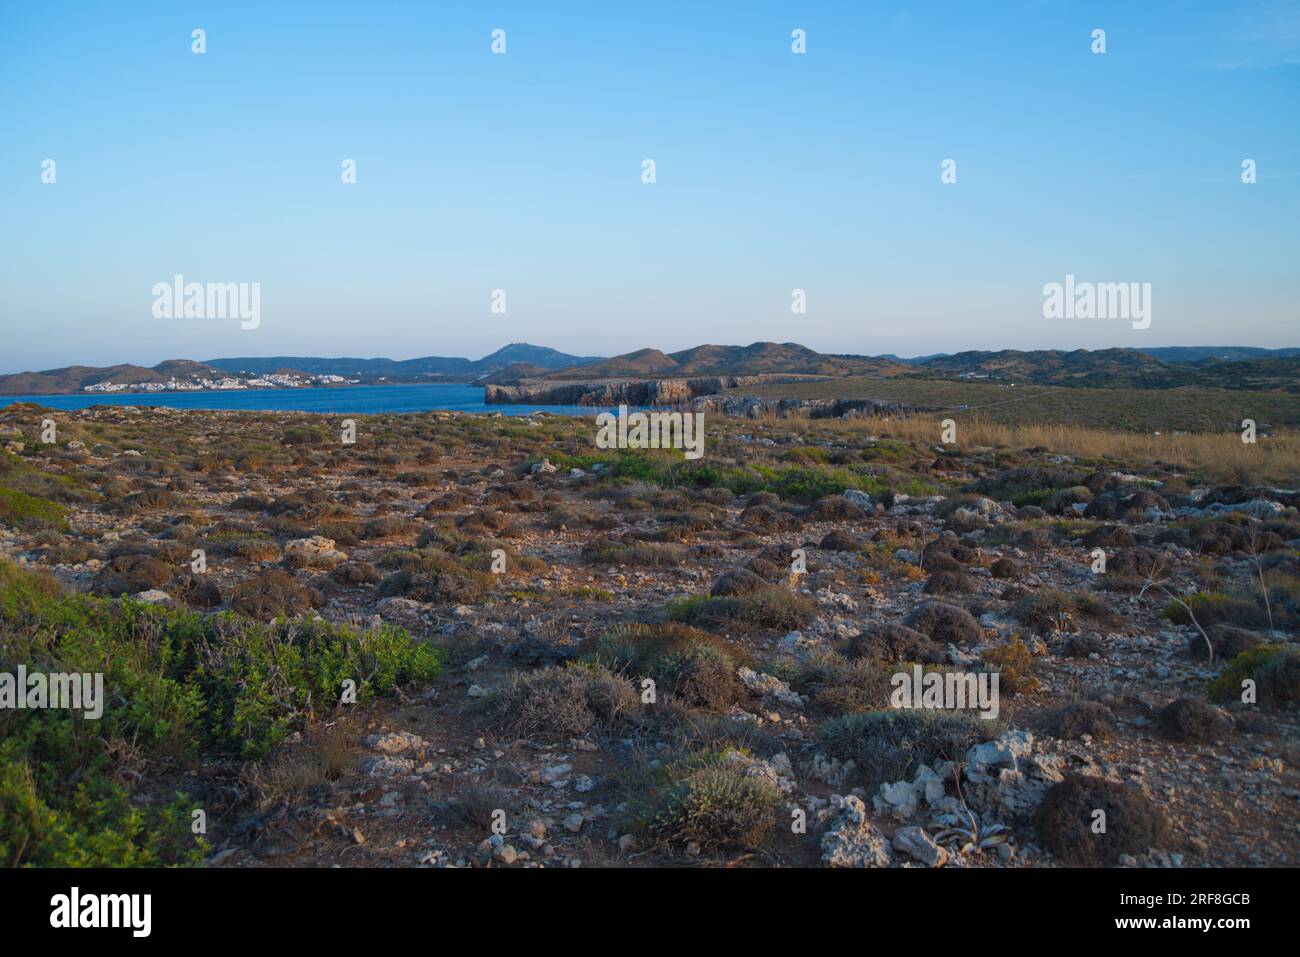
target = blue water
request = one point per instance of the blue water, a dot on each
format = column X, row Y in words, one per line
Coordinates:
column 422, row 397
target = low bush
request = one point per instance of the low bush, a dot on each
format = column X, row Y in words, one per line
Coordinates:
column 890, row 745
column 771, row 607
column 718, row 799
column 692, row 665
column 273, row 594
column 1275, row 671
column 565, row 701
column 21, row 510
column 1065, row 819
column 1054, row 610
column 1083, row 717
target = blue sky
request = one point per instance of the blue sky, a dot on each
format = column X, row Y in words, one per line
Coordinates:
column 775, row 171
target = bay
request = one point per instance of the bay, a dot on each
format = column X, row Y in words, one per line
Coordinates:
column 358, row 399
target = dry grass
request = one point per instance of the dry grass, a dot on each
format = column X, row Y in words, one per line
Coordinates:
column 1219, row 457
column 296, row 770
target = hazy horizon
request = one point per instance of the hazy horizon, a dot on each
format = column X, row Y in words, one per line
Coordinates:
column 474, row 357
column 775, row 171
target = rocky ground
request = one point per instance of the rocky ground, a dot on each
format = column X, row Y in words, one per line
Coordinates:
column 649, row 662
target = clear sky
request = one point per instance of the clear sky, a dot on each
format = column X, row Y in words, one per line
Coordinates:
column 522, row 172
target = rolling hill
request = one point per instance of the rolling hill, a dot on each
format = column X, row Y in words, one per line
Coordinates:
column 758, row 358
column 76, row 378
column 1217, row 367
column 1117, row 368
column 442, row 366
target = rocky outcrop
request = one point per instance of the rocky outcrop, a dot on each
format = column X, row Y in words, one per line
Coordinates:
column 645, row 392
column 317, row 551
column 852, row 840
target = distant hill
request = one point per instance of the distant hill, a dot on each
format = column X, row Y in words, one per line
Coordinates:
column 1120, row 368
column 1277, row 369
column 642, row 362
column 76, row 378
column 757, row 358
column 543, row 356
column 441, row 366
column 1201, row 353
column 1273, row 372
column 1160, row 368
column 1079, row 367
column 1163, row 353
column 512, row 374
column 914, row 360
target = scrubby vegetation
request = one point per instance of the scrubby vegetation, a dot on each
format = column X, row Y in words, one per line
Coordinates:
column 645, row 660
column 1064, row 822
column 768, row 607
column 692, row 665
column 1274, row 671
column 176, row 686
column 563, row 701
column 715, row 799
column 890, row 745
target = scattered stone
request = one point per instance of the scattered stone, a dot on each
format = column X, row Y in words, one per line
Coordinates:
column 314, row 551
column 918, row 845
column 394, row 742
column 770, row 686
column 853, row 841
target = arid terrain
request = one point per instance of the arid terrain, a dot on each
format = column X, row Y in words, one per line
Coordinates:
column 564, row 656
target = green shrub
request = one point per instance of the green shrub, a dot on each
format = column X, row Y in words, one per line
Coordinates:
column 840, row 684
column 772, row 607
column 1275, row 669
column 717, row 799
column 430, row 574
column 693, row 665
column 806, row 455
column 814, row 479
column 45, row 823
column 176, row 685
column 20, row 510
column 1216, row 607
column 307, row 436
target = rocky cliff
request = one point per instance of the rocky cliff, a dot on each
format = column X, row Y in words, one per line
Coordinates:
column 664, row 393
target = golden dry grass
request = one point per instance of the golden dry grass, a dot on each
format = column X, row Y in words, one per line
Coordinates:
column 1216, row 456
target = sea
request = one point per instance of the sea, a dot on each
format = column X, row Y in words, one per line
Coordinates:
column 420, row 397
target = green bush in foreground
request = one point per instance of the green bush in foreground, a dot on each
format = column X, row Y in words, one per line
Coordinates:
column 176, row 685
